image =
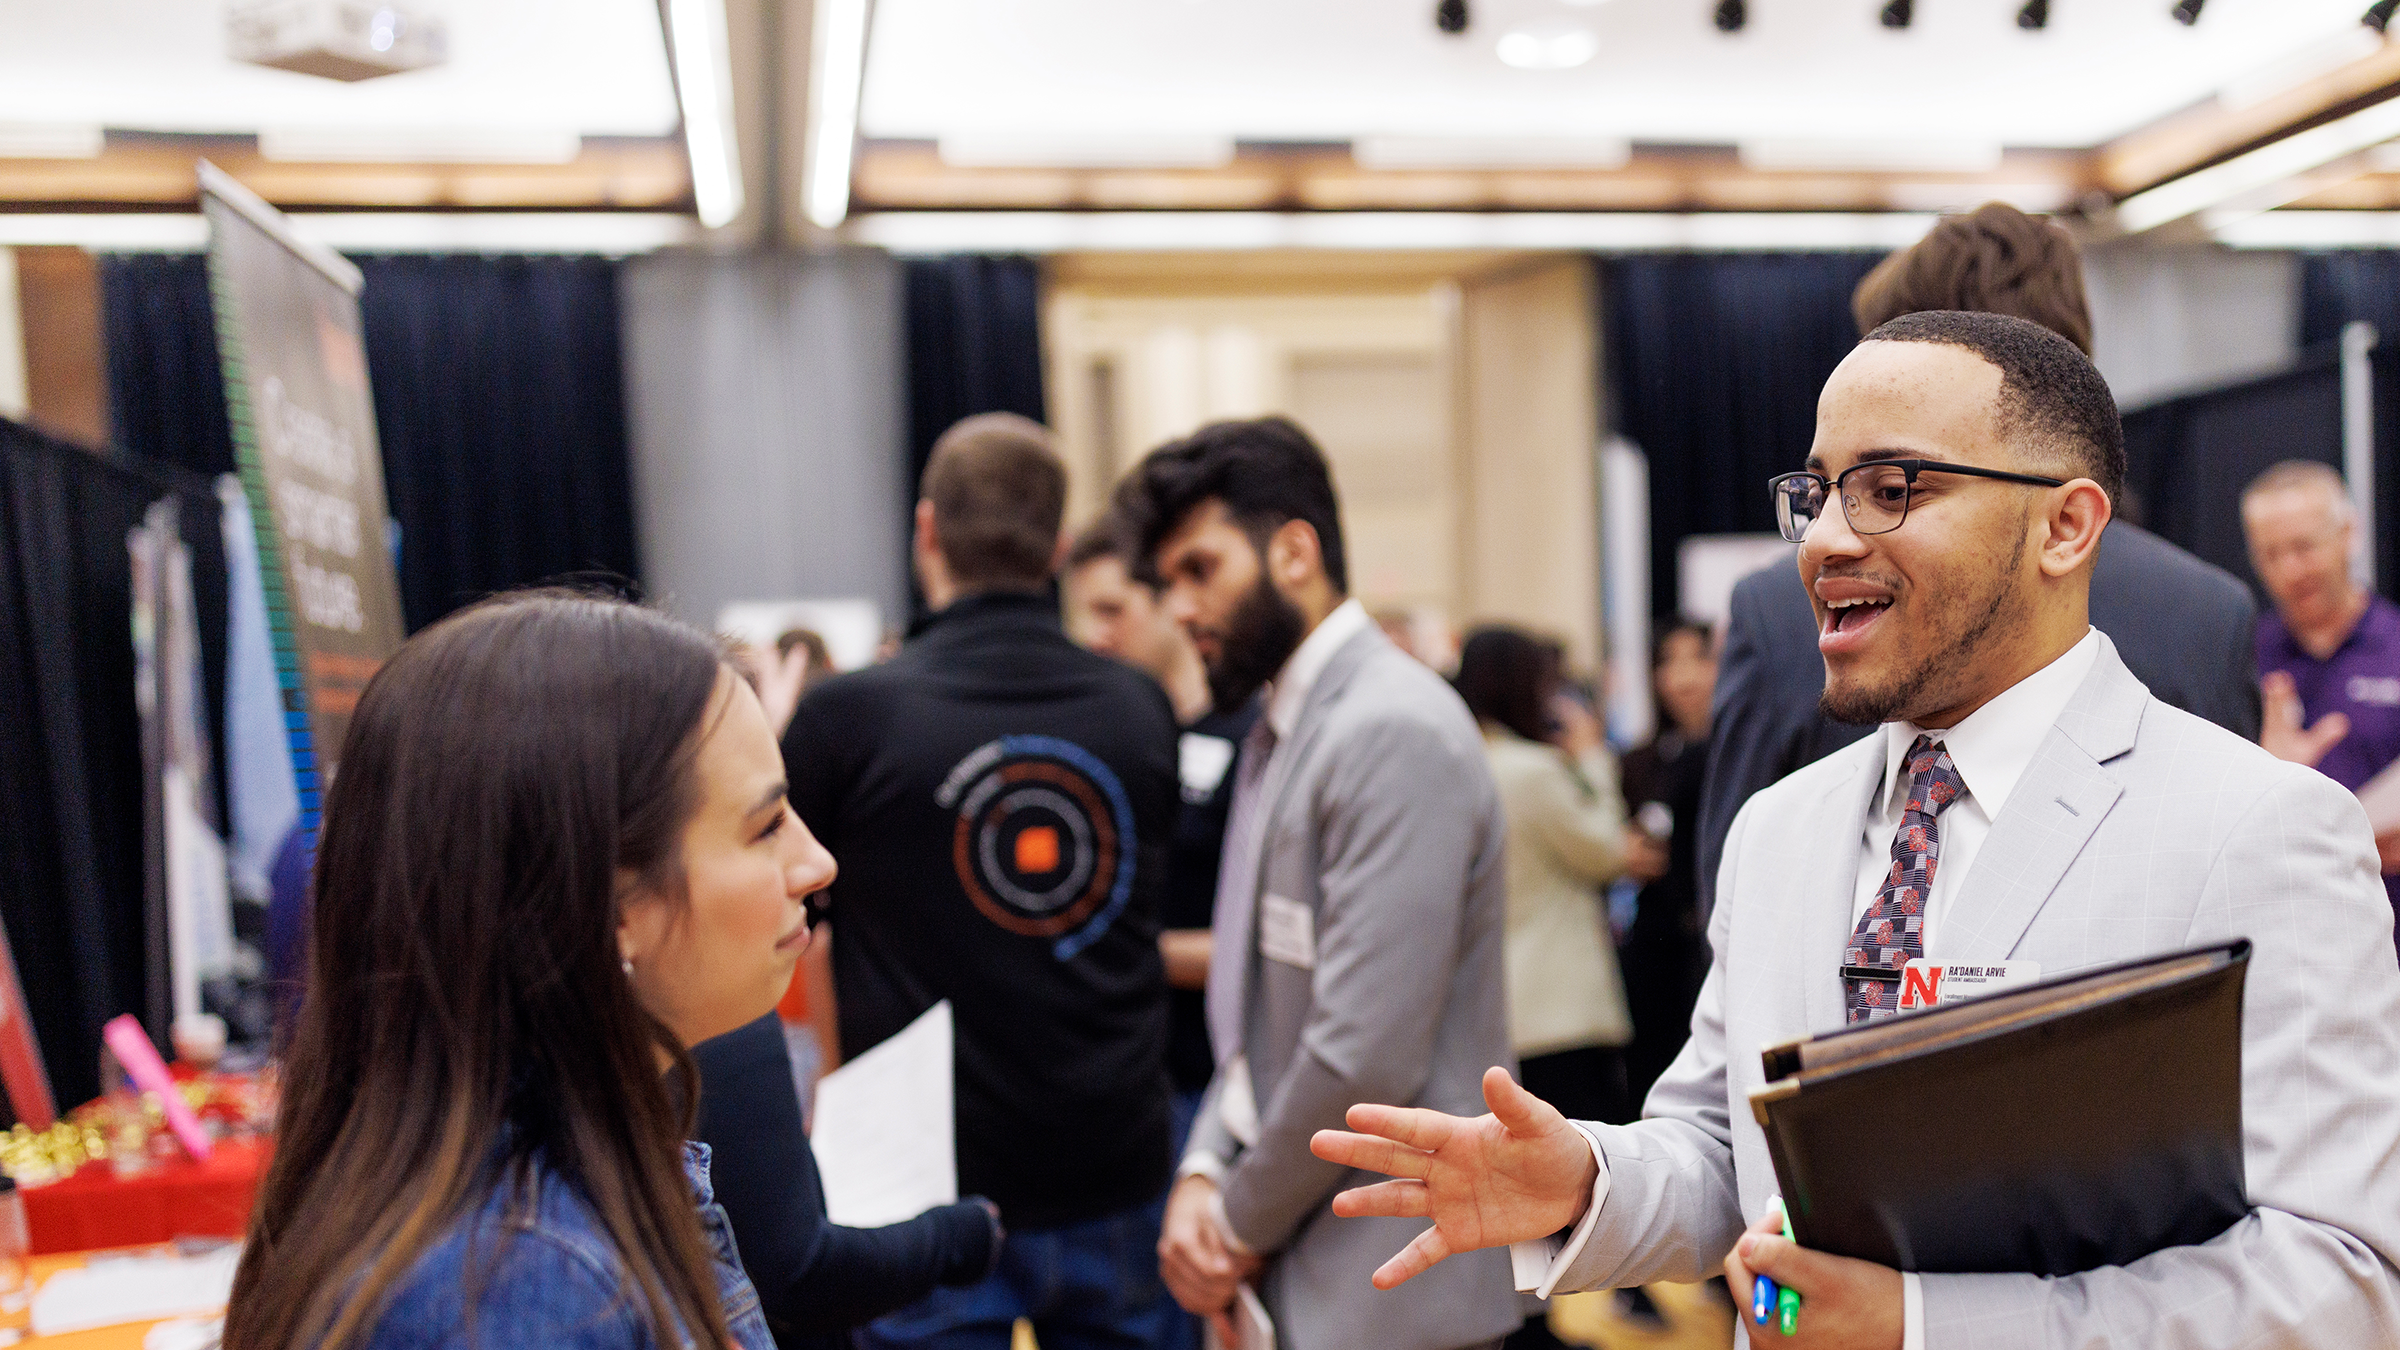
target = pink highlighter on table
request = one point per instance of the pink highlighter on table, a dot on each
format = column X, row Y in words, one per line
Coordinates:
column 126, row 1040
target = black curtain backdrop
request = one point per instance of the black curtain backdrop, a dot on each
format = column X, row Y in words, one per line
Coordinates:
column 71, row 838
column 1715, row 362
column 499, row 403
column 2187, row 459
column 974, row 345
column 2336, row 288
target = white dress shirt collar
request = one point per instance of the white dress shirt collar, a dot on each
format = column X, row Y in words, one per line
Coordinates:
column 1288, row 692
column 1994, row 745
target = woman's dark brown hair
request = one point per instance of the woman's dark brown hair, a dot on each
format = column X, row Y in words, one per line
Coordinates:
column 466, row 1006
column 1993, row 260
column 1509, row 677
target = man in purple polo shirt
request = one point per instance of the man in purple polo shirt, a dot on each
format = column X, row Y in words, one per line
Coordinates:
column 2329, row 651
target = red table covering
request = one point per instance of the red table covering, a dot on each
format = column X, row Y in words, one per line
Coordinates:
column 176, row 1198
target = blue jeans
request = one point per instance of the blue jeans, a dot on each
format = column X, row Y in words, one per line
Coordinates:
column 1088, row 1286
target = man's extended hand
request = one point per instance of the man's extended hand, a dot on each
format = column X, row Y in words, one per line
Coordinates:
column 1198, row 1268
column 2280, row 732
column 1520, row 1173
column 1844, row 1304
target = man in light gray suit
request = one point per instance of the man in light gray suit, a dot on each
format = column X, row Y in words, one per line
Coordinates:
column 2184, row 627
column 1962, row 474
column 1359, row 911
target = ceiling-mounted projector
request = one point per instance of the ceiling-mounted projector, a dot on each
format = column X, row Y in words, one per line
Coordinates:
column 338, row 39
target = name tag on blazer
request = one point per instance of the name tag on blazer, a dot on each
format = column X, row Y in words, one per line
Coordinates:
column 1287, row 932
column 1925, row 984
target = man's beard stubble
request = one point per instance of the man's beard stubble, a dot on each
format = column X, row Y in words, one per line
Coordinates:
column 1870, row 706
column 1262, row 634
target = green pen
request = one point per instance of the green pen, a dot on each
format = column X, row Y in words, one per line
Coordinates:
column 1787, row 1299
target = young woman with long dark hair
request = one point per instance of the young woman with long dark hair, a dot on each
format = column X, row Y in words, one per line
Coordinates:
column 557, row 855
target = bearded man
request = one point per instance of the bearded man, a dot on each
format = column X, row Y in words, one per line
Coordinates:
column 1964, row 468
column 1359, row 912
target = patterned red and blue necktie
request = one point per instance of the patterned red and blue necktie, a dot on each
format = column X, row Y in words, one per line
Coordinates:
column 1892, row 931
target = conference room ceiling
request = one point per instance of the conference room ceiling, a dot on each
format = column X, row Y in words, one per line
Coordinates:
column 524, row 80
column 1288, row 106
column 1085, row 78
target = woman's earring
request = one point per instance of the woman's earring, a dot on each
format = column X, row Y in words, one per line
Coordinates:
column 627, row 962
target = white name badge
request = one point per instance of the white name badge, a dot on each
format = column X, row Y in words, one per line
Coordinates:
column 1926, row 984
column 1287, row 932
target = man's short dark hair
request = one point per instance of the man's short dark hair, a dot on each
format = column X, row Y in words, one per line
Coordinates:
column 998, row 492
column 1103, row 538
column 2052, row 398
column 1266, row 471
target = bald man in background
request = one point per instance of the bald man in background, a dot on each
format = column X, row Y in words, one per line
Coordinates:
column 2329, row 650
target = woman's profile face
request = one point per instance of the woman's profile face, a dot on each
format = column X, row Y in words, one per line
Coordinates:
column 722, row 956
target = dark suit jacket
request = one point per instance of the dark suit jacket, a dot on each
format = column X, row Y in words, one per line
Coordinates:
column 2184, row 627
column 815, row 1278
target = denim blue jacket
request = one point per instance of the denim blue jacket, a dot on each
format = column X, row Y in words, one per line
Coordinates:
column 551, row 1278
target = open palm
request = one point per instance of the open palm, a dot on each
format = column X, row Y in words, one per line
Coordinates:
column 1519, row 1173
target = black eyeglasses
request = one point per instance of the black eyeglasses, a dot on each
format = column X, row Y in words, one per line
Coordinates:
column 816, row 904
column 1875, row 495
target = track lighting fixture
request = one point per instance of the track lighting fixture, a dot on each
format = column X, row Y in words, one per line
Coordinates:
column 2035, row 15
column 1450, row 16
column 2379, row 14
column 1732, row 14
column 1902, row 13
column 2187, row 12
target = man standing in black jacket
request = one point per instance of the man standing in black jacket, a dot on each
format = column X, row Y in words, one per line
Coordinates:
column 1000, row 802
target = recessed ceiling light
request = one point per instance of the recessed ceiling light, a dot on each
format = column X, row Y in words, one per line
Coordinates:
column 1551, row 49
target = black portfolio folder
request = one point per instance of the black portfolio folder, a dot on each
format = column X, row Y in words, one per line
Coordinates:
column 2079, row 1122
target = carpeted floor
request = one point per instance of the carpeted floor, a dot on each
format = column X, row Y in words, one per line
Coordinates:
column 1696, row 1320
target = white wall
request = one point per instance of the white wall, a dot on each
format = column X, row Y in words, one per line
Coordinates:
column 766, row 396
column 12, row 340
column 2168, row 319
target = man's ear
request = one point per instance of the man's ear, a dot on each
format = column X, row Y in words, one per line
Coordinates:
column 1293, row 555
column 926, row 540
column 2076, row 518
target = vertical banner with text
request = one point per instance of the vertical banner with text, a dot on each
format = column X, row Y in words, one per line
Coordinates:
column 289, row 338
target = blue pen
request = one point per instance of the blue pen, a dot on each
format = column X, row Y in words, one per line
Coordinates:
column 1767, row 1298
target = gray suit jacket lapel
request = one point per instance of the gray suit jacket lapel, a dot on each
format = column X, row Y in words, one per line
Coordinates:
column 1281, row 765
column 2057, row 805
column 1833, row 861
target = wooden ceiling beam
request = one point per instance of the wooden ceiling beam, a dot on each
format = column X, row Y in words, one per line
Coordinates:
column 2209, row 132
column 912, row 176
column 158, row 172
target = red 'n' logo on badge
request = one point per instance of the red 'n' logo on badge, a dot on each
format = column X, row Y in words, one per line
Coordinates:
column 1919, row 986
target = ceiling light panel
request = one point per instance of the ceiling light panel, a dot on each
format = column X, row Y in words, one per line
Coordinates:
column 1870, row 156
column 2265, row 177
column 1547, row 48
column 1007, row 150
column 704, row 84
column 1659, row 71
column 933, row 232
column 837, row 66
column 1493, row 152
column 38, row 141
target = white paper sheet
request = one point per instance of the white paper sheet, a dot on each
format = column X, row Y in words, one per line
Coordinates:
column 2381, row 796
column 113, row 1291
column 884, row 1135
column 1252, row 1328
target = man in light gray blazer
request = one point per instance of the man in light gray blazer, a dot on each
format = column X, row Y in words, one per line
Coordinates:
column 1359, row 911
column 2057, row 814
